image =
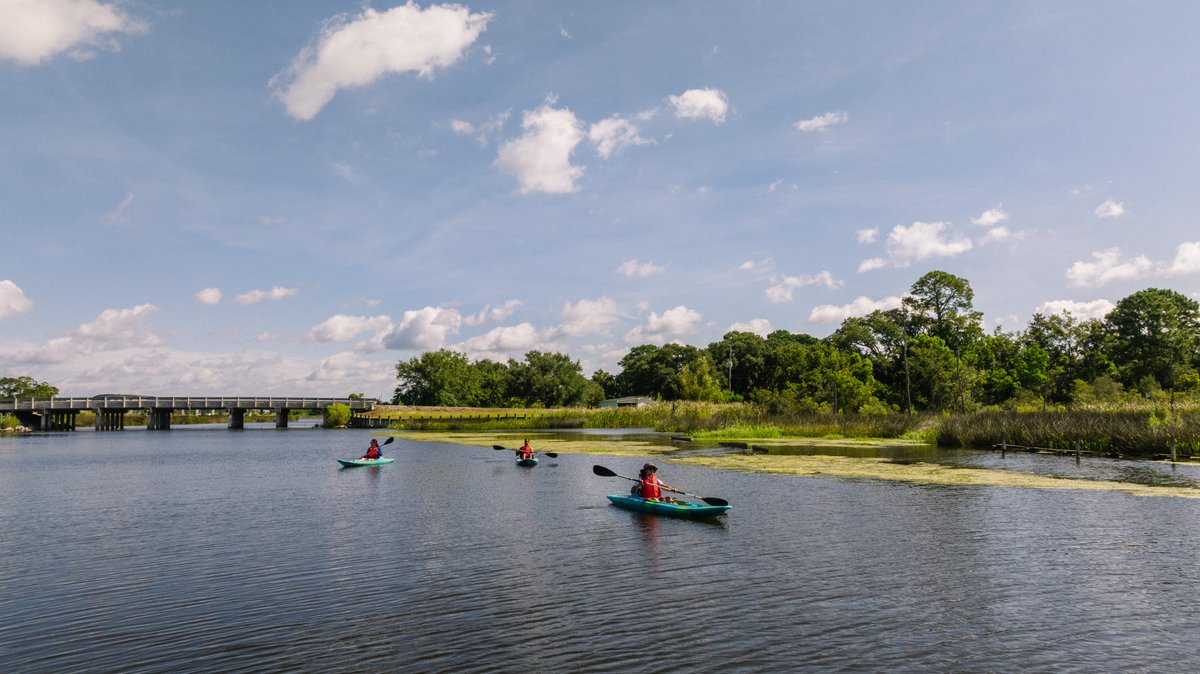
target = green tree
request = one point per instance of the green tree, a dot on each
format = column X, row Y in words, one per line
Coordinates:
column 1154, row 334
column 607, row 383
column 654, row 371
column 552, row 380
column 696, row 382
column 337, row 415
column 940, row 304
column 740, row 358
column 442, row 377
column 25, row 387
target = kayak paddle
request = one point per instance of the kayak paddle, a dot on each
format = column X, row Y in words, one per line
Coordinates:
column 552, row 455
column 710, row 500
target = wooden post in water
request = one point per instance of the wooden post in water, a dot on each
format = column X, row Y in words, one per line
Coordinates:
column 1003, row 448
column 1077, row 452
column 1172, row 448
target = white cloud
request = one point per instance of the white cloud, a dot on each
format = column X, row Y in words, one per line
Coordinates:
column 822, row 122
column 613, row 135
column 13, row 300
column 923, row 240
column 759, row 326
column 589, row 317
column 120, row 214
column 996, row 234
column 632, row 268
column 868, row 235
column 354, row 51
column 871, row 264
column 490, row 314
column 700, row 104
column 1080, row 310
column 36, row 30
column 1187, row 259
column 991, row 217
column 659, row 328
column 255, row 296
column 506, row 342
column 342, row 328
column 1106, row 266
column 113, row 330
column 1110, row 209
column 424, row 329
column 209, row 296
column 830, row 313
column 367, row 375
column 481, row 132
column 783, row 289
column 541, row 157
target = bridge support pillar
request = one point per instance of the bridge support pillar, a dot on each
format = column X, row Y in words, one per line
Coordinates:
column 281, row 418
column 237, row 418
column 110, row 420
column 158, row 419
column 57, row 421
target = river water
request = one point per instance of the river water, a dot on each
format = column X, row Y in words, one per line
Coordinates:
column 208, row 550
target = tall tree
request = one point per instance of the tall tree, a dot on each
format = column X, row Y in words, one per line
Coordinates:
column 941, row 305
column 442, row 378
column 552, row 380
column 1155, row 333
column 25, row 387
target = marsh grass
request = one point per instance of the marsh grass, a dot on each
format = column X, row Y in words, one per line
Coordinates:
column 1112, row 433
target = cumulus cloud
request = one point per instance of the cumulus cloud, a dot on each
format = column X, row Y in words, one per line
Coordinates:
column 700, row 104
column 113, row 330
column 871, row 264
column 541, row 157
column 424, row 329
column 490, row 314
column 659, row 328
column 209, row 296
column 783, row 289
column 923, row 240
column 13, row 300
column 868, row 235
column 342, row 328
column 997, row 234
column 1110, row 209
column 1080, row 310
column 831, row 313
column 1107, row 265
column 614, row 134
column 633, row 268
column 1187, row 259
column 255, row 296
column 35, row 31
column 348, row 366
column 822, row 122
column 589, row 317
column 506, row 342
column 354, row 51
column 990, row 217
column 759, row 326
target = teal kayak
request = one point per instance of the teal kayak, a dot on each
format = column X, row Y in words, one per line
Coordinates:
column 528, row 463
column 351, row 463
column 691, row 509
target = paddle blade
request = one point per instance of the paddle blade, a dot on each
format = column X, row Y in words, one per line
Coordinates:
column 603, row 472
column 498, row 447
column 552, row 455
column 389, row 441
column 714, row 501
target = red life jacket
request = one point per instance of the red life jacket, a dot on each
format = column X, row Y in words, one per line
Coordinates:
column 526, row 451
column 373, row 453
column 650, row 487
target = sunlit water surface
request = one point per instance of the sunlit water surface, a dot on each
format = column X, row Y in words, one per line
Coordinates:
column 203, row 549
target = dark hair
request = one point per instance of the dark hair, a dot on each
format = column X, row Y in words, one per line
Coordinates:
column 650, row 467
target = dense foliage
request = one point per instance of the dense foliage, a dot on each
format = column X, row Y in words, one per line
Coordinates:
column 930, row 354
column 25, row 387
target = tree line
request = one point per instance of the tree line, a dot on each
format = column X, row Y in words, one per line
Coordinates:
column 929, row 354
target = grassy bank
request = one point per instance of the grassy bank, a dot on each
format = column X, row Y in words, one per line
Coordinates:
column 1119, row 433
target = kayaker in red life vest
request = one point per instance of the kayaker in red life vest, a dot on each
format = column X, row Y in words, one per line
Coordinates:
column 650, row 484
column 373, row 452
column 525, row 452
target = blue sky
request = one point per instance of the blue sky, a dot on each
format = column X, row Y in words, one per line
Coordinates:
column 290, row 197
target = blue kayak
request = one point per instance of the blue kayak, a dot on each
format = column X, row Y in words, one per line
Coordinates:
column 352, row 463
column 527, row 463
column 690, row 509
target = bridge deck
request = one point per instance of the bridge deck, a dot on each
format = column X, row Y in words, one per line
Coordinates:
column 110, row 402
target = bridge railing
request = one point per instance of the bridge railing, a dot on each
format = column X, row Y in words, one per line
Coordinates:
column 112, row 402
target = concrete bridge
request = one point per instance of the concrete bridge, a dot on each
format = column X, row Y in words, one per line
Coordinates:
column 59, row 414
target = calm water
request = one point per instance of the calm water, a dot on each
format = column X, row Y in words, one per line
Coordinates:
column 215, row 550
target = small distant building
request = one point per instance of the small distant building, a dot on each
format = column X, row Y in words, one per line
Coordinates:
column 628, row 401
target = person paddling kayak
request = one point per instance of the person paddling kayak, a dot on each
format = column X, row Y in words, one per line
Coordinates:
column 373, row 452
column 525, row 452
column 649, row 486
